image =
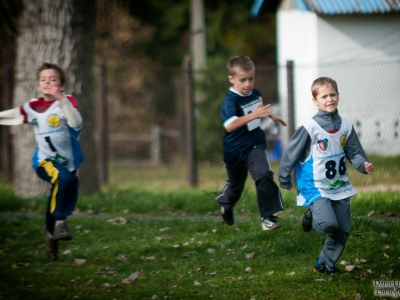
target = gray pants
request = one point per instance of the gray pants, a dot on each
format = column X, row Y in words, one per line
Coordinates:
column 332, row 217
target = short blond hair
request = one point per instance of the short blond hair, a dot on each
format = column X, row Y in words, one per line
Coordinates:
column 321, row 81
column 241, row 62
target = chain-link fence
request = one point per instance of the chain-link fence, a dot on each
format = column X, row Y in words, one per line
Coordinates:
column 148, row 126
column 369, row 96
column 147, row 118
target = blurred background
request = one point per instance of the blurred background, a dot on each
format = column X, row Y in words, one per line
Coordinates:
column 159, row 76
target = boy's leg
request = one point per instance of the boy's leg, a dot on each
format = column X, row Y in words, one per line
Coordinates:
column 64, row 192
column 332, row 217
column 268, row 193
column 50, row 222
column 233, row 189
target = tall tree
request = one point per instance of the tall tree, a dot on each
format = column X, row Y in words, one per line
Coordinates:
column 9, row 11
column 61, row 32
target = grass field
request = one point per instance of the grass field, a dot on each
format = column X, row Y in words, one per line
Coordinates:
column 149, row 226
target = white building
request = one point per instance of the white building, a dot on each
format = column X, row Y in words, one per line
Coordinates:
column 357, row 43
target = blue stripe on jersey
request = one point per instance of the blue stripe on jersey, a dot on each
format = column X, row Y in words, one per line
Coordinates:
column 76, row 148
column 35, row 159
column 305, row 182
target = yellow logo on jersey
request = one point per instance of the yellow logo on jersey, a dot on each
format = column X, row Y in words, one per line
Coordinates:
column 53, row 120
column 342, row 141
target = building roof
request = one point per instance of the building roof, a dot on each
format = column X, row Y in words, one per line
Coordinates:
column 339, row 7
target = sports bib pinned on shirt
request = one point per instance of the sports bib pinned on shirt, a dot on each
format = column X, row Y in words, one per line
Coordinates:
column 324, row 173
column 248, row 109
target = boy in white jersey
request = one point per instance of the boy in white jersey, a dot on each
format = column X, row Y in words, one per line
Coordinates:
column 319, row 150
column 57, row 124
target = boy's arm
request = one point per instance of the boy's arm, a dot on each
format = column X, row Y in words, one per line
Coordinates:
column 292, row 153
column 74, row 118
column 11, row 117
column 277, row 119
column 356, row 155
column 259, row 112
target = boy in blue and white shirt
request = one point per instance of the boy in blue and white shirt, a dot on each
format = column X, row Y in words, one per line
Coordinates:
column 57, row 123
column 245, row 147
column 319, row 150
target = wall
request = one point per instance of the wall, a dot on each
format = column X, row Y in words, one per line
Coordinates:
column 362, row 53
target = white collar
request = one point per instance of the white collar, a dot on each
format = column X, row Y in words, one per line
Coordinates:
column 236, row 92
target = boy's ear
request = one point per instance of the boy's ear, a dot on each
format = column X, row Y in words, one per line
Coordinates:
column 315, row 101
column 230, row 78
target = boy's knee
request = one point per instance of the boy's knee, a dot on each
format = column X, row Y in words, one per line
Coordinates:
column 68, row 177
column 328, row 227
column 264, row 174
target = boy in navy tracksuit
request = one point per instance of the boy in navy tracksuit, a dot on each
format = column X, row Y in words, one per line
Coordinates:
column 319, row 150
column 245, row 147
column 57, row 123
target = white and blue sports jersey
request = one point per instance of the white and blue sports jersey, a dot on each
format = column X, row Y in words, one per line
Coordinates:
column 324, row 172
column 238, row 143
column 55, row 140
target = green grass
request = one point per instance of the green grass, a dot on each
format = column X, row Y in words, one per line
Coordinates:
column 175, row 240
column 170, row 260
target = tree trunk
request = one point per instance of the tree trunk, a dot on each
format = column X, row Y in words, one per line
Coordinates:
column 61, row 32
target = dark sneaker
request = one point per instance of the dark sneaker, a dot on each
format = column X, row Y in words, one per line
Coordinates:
column 306, row 221
column 61, row 232
column 322, row 269
column 227, row 215
column 51, row 245
column 270, row 223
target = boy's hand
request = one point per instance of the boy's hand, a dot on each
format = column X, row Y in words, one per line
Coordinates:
column 261, row 111
column 369, row 168
column 290, row 189
column 277, row 119
column 54, row 91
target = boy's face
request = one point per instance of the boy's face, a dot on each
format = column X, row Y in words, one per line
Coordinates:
column 243, row 82
column 327, row 98
column 47, row 78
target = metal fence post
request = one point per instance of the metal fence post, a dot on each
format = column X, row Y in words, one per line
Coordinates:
column 291, row 115
column 155, row 145
column 101, row 122
column 290, row 86
column 190, row 123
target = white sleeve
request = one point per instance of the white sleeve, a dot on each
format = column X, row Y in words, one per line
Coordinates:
column 11, row 117
column 74, row 118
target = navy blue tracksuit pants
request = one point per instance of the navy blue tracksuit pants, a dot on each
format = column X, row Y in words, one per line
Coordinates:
column 63, row 193
column 268, row 193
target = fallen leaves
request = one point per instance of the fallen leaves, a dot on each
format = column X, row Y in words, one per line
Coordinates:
column 197, row 283
column 349, row 268
column 269, row 273
column 79, row 261
column 188, row 254
column 151, row 258
column 118, row 221
column 249, row 255
column 131, row 278
column 291, row 273
column 107, row 272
